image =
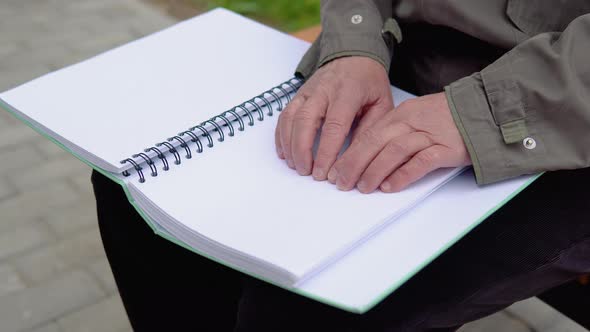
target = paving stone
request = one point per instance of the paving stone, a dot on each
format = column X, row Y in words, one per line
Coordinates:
column 35, row 203
column 50, row 261
column 73, row 218
column 6, row 82
column 19, row 62
column 102, row 271
column 10, row 281
column 24, row 30
column 26, row 237
column 48, row 171
column 22, row 74
column 18, row 157
column 18, row 134
column 107, row 315
column 82, row 183
column 34, row 306
column 105, row 42
column 40, row 265
column 91, row 7
column 7, row 119
column 50, row 150
column 542, row 317
column 6, row 189
column 495, row 323
column 118, row 12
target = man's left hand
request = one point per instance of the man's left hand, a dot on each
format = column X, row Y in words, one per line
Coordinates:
column 414, row 139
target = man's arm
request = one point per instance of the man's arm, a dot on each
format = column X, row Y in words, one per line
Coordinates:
column 346, row 78
column 530, row 110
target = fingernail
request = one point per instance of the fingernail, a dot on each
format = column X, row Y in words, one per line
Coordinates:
column 362, row 186
column 318, row 174
column 302, row 170
column 332, row 175
column 280, row 152
column 386, row 187
column 290, row 163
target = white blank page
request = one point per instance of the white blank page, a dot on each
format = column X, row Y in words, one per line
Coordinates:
column 122, row 101
column 382, row 264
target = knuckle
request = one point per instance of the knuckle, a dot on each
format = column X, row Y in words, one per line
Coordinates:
column 343, row 177
column 286, row 144
column 300, row 151
column 369, row 177
column 406, row 126
column 402, row 174
column 298, row 100
column 397, row 186
column 435, row 155
column 396, row 149
column 370, row 137
column 333, row 128
column 425, row 159
column 286, row 115
column 322, row 156
column 304, row 114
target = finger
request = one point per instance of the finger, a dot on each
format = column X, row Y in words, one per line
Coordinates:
column 278, row 146
column 372, row 115
column 306, row 123
column 394, row 154
column 368, row 120
column 416, row 168
column 336, row 127
column 347, row 169
column 286, row 126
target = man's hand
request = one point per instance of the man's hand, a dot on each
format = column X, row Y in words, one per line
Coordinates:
column 335, row 95
column 407, row 143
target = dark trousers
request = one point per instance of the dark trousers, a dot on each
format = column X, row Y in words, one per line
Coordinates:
column 538, row 240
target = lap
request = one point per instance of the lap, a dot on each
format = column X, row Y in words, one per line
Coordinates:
column 537, row 240
column 164, row 287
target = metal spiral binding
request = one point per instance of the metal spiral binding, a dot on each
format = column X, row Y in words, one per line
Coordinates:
column 219, row 123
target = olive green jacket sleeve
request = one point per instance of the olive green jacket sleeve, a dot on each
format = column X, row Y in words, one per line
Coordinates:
column 352, row 27
column 530, row 110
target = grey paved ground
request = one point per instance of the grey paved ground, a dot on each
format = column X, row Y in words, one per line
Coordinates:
column 53, row 273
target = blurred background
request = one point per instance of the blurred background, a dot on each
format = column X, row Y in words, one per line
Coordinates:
column 54, row 276
column 288, row 16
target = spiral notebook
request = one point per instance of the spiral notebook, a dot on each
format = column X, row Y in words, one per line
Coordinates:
column 184, row 120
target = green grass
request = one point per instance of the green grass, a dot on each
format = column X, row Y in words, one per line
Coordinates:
column 285, row 15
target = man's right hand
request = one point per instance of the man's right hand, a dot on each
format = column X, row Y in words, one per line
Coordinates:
column 335, row 94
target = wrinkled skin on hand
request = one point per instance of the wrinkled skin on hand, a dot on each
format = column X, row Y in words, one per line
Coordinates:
column 335, row 95
column 416, row 138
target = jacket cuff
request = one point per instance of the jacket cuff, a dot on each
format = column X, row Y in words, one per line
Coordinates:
column 326, row 49
column 497, row 151
column 352, row 28
column 337, row 46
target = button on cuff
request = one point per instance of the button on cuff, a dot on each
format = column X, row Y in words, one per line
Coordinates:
column 356, row 19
